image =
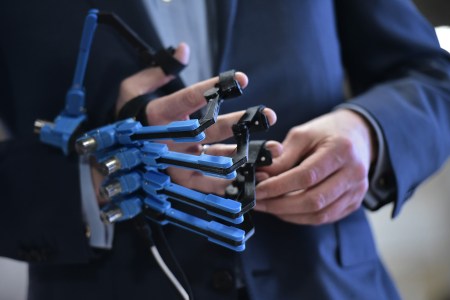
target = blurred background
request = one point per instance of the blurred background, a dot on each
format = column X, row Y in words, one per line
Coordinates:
column 415, row 246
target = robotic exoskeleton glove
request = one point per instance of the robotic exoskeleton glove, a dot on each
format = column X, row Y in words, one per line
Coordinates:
column 133, row 159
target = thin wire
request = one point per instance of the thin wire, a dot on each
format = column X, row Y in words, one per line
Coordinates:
column 168, row 273
column 145, row 232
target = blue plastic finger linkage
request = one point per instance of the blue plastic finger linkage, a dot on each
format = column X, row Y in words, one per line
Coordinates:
column 159, row 185
column 62, row 132
column 160, row 210
column 159, row 156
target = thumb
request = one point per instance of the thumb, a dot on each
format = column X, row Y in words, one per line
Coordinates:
column 294, row 149
column 182, row 53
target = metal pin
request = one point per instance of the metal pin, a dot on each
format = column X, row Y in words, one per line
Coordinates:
column 39, row 124
column 231, row 190
column 109, row 166
column 111, row 190
column 111, row 216
column 86, row 145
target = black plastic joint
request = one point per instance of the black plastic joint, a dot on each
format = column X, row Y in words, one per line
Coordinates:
column 258, row 154
column 255, row 119
column 228, row 85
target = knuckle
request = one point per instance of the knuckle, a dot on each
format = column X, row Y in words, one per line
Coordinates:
column 354, row 206
column 364, row 185
column 308, row 178
column 346, row 145
column 297, row 133
column 316, row 202
column 360, row 171
column 346, row 150
column 321, row 218
column 192, row 97
column 153, row 115
column 361, row 189
column 127, row 85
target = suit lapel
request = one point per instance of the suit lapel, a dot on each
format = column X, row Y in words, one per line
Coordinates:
column 221, row 20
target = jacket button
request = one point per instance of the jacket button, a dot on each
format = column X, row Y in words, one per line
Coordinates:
column 222, row 281
column 386, row 181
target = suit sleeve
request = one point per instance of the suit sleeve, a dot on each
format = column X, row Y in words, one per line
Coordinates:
column 401, row 77
column 40, row 207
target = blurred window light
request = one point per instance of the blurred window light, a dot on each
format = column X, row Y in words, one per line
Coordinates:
column 443, row 34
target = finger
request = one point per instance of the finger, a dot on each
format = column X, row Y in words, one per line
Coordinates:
column 182, row 53
column 275, row 148
column 310, row 200
column 198, row 181
column 322, row 204
column 149, row 79
column 179, row 105
column 219, row 150
column 261, row 176
column 223, row 128
column 209, row 185
column 311, row 171
column 230, row 149
column 297, row 144
column 288, row 158
column 341, row 208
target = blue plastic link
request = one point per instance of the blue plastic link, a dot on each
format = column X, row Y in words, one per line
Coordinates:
column 125, row 132
column 60, row 133
column 159, row 185
column 154, row 151
column 65, row 125
column 226, row 236
column 159, row 156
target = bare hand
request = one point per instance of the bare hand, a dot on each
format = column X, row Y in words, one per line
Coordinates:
column 322, row 174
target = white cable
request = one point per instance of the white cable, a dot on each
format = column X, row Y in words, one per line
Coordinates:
column 168, row 273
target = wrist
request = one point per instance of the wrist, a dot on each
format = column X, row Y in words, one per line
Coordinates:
column 367, row 131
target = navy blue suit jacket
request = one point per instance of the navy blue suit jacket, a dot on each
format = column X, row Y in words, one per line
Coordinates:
column 297, row 55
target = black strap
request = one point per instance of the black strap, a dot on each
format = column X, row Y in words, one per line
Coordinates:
column 135, row 108
column 165, row 60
